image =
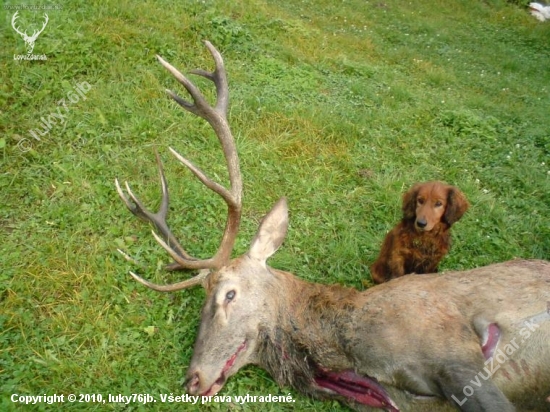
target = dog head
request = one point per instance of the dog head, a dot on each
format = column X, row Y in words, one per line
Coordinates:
column 430, row 203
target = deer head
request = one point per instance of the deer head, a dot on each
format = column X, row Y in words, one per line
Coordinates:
column 233, row 309
column 225, row 280
column 29, row 40
column 412, row 344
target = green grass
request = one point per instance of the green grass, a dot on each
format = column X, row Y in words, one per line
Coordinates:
column 340, row 106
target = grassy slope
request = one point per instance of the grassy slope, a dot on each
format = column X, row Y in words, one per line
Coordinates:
column 338, row 105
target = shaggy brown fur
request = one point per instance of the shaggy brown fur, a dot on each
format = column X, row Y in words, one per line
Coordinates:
column 419, row 242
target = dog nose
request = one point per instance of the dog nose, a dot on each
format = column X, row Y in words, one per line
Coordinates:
column 421, row 223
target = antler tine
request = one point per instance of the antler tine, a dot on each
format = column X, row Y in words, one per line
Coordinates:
column 216, row 187
column 37, row 32
column 158, row 219
column 219, row 77
column 13, row 19
column 196, row 280
column 217, row 117
column 200, row 106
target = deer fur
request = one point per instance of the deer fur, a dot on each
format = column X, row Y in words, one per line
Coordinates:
column 421, row 338
column 412, row 344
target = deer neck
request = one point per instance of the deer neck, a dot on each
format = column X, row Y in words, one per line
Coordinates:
column 309, row 332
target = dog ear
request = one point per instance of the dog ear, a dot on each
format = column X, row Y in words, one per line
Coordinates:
column 457, row 205
column 409, row 202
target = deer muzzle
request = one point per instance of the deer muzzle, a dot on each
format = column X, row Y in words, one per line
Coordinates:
column 199, row 382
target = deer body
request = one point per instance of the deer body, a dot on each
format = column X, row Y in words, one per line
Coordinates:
column 476, row 340
column 419, row 338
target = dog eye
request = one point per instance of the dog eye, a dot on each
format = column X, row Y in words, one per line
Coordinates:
column 420, row 201
column 230, row 295
column 438, row 204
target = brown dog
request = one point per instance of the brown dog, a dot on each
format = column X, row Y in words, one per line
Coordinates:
column 419, row 242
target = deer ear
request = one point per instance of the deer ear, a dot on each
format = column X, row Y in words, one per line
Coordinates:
column 271, row 233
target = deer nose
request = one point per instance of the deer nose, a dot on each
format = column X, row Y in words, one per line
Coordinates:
column 193, row 384
column 421, row 223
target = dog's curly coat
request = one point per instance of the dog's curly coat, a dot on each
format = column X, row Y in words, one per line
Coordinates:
column 419, row 242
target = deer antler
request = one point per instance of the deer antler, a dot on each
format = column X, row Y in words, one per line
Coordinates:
column 36, row 33
column 15, row 17
column 216, row 116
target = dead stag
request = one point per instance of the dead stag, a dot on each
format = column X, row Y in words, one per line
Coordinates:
column 478, row 340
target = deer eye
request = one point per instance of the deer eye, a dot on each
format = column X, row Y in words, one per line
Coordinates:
column 230, row 295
